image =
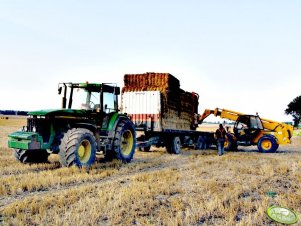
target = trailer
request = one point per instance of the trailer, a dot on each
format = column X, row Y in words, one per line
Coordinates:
column 164, row 115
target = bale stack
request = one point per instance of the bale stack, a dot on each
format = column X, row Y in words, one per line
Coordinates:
column 177, row 106
column 150, row 81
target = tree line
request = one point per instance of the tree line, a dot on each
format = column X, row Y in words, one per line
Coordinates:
column 12, row 112
column 294, row 109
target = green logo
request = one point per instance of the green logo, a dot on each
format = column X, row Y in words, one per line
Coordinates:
column 282, row 215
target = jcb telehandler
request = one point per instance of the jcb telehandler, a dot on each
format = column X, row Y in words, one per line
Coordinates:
column 77, row 133
column 252, row 130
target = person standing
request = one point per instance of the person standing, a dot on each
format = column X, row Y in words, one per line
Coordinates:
column 220, row 135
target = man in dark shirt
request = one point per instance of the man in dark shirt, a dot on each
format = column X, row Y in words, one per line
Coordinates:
column 220, row 135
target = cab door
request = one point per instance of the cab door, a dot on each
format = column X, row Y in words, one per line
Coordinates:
column 247, row 127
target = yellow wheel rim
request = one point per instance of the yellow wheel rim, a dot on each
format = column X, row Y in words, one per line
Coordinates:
column 84, row 151
column 226, row 144
column 127, row 141
column 266, row 144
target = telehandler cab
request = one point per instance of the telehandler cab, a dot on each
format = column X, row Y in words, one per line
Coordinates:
column 87, row 124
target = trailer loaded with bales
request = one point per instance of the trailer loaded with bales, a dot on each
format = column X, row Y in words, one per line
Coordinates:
column 164, row 115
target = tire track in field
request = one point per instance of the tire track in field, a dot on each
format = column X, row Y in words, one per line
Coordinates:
column 181, row 161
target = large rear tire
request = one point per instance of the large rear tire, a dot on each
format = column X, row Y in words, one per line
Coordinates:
column 267, row 144
column 174, row 146
column 124, row 143
column 31, row 156
column 230, row 143
column 78, row 147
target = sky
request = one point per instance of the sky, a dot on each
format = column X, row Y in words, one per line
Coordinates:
column 239, row 55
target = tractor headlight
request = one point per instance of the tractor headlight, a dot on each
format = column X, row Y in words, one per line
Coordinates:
column 34, row 129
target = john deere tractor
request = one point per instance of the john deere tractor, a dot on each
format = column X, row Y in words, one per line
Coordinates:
column 88, row 123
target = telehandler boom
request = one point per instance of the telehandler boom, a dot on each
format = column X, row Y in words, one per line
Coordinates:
column 252, row 130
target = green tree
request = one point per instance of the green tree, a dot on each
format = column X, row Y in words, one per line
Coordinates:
column 294, row 109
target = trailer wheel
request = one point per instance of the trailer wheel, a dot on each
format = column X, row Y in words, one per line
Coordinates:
column 200, row 143
column 31, row 156
column 230, row 143
column 174, row 146
column 267, row 144
column 78, row 147
column 145, row 149
column 124, row 141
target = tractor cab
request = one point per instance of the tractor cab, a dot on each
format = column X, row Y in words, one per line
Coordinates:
column 246, row 128
column 90, row 96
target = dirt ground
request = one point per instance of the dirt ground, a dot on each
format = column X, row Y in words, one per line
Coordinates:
column 156, row 188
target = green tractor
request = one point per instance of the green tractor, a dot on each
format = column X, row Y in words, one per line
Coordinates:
column 90, row 124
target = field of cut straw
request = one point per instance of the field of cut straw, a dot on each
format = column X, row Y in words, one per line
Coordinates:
column 156, row 188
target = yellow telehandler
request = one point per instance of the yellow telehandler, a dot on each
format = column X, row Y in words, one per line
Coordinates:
column 252, row 130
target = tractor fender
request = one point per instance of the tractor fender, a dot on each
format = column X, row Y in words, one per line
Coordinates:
column 113, row 123
column 88, row 126
column 112, row 127
column 270, row 135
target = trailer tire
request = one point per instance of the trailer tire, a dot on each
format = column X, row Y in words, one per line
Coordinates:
column 145, row 149
column 124, row 141
column 174, row 146
column 78, row 147
column 31, row 156
column 267, row 144
column 200, row 143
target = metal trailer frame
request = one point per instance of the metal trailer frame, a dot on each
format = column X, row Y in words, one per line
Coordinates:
column 165, row 138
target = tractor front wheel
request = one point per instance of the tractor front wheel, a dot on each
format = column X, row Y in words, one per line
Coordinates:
column 267, row 144
column 31, row 156
column 78, row 147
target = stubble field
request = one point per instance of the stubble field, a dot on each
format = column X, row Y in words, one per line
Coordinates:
column 156, row 188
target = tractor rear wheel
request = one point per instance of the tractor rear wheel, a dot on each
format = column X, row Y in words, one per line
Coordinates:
column 174, row 146
column 267, row 144
column 124, row 144
column 31, row 156
column 78, row 147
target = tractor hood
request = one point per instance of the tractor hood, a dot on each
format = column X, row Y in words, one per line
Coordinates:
column 62, row 112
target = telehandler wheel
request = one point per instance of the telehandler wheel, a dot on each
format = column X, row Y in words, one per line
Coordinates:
column 174, row 146
column 230, row 143
column 31, row 156
column 78, row 147
column 124, row 144
column 267, row 144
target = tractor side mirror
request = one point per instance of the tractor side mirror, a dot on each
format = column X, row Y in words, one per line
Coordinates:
column 60, row 90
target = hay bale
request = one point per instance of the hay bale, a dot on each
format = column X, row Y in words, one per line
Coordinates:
column 150, row 80
column 177, row 105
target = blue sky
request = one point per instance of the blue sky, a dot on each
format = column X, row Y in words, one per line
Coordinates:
column 240, row 55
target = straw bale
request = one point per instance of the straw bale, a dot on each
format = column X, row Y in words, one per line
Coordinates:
column 177, row 105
